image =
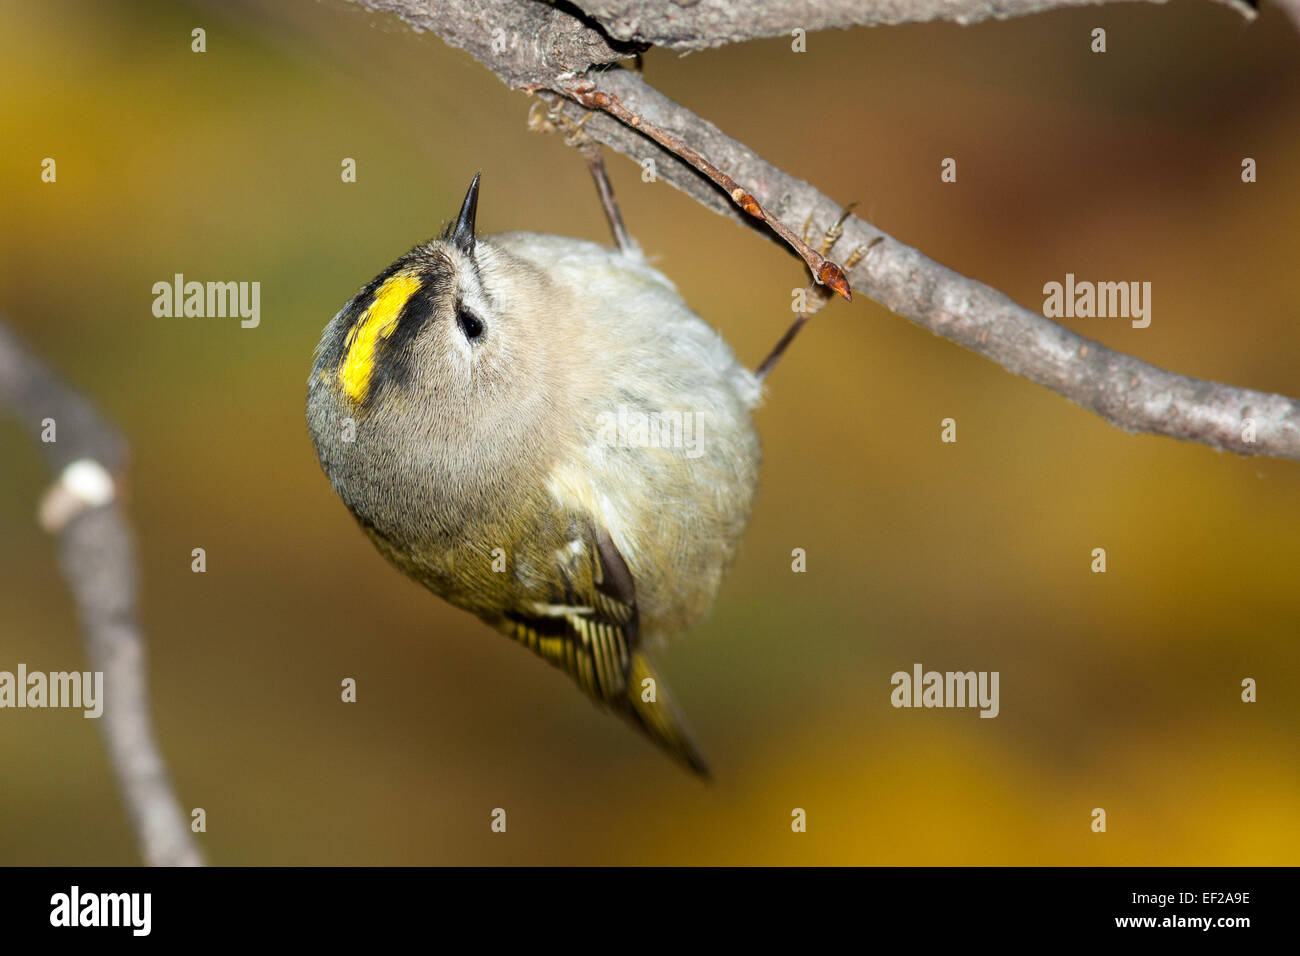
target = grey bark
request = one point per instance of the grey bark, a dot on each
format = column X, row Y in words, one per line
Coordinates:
column 539, row 47
column 700, row 24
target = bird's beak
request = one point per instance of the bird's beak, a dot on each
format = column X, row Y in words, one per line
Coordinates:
column 462, row 234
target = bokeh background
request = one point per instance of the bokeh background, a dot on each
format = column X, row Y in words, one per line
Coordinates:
column 1119, row 690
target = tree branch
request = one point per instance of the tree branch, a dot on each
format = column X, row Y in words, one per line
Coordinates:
column 540, row 47
column 97, row 553
column 688, row 25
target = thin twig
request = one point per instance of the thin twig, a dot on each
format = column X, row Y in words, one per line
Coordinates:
column 826, row 272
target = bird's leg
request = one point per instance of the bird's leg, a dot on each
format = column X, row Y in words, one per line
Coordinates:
column 779, row 349
column 814, row 297
column 596, row 163
column 825, row 272
column 553, row 120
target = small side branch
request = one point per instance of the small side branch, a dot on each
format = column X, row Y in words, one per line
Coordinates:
column 824, row 271
column 97, row 554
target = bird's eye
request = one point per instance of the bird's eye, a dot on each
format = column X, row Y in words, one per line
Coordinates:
column 469, row 323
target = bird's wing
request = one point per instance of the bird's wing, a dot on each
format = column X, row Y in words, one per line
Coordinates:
column 591, row 630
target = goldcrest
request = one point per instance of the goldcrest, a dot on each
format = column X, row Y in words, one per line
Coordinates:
column 539, row 430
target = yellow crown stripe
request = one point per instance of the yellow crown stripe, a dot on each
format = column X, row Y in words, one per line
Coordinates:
column 377, row 324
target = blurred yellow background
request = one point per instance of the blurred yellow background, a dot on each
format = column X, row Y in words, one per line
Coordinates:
column 1119, row 691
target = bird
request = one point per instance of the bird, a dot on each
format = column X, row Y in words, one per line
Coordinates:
column 539, row 430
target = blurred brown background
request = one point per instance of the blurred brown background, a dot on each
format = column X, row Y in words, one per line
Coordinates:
column 1118, row 691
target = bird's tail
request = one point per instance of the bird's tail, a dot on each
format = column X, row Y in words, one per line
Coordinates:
column 650, row 707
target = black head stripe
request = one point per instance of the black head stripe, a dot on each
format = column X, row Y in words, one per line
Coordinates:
column 394, row 357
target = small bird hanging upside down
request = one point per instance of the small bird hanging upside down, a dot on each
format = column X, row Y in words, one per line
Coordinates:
column 463, row 405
